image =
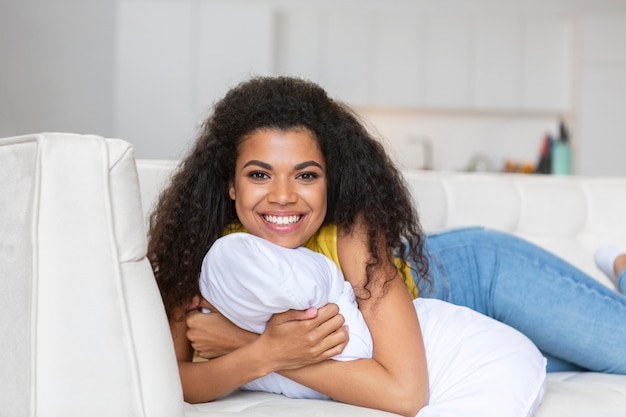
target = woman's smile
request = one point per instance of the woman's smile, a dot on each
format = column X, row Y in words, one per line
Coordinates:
column 279, row 186
column 280, row 220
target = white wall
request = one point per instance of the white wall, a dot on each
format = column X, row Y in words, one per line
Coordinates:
column 56, row 66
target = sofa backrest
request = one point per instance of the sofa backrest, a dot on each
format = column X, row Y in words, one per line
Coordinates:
column 83, row 328
column 568, row 215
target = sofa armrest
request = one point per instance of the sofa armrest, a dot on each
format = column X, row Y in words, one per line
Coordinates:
column 84, row 329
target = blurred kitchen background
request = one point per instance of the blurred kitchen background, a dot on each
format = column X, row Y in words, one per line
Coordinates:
column 447, row 84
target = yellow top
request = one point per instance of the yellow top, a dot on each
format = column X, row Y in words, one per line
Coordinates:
column 325, row 242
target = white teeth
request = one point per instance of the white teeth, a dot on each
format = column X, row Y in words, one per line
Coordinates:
column 282, row 220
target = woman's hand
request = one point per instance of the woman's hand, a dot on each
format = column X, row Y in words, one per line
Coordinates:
column 303, row 337
column 211, row 334
column 296, row 338
column 292, row 340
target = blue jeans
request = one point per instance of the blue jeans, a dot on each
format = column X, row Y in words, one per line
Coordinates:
column 576, row 322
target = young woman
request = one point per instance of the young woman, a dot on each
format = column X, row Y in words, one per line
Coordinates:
column 329, row 154
column 298, row 168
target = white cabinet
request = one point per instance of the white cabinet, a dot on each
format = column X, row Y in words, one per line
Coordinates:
column 445, row 61
column 346, row 55
column 232, row 42
column 299, row 43
column 502, row 63
column 601, row 141
column 329, row 48
column 397, row 63
column 547, row 62
column 447, row 57
column 495, row 70
column 174, row 59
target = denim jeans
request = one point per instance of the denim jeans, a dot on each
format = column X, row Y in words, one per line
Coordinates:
column 576, row 322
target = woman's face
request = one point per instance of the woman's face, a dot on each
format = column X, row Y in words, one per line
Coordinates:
column 279, row 186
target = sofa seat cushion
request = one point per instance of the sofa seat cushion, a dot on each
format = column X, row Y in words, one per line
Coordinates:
column 568, row 394
column 584, row 394
column 262, row 404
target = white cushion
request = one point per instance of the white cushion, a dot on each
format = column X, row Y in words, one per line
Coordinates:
column 248, row 279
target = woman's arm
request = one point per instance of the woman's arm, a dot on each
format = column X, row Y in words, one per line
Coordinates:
column 396, row 378
column 213, row 335
column 291, row 340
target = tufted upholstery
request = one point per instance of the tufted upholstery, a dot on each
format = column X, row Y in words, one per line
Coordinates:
column 568, row 215
column 84, row 332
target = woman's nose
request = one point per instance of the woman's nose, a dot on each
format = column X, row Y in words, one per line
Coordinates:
column 282, row 193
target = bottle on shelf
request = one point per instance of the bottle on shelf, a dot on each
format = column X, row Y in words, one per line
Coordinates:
column 544, row 166
column 561, row 159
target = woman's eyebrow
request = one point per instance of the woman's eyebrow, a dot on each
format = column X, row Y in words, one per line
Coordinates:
column 267, row 166
column 261, row 164
column 307, row 164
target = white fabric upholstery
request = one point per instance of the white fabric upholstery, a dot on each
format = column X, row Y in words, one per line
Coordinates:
column 83, row 329
column 570, row 216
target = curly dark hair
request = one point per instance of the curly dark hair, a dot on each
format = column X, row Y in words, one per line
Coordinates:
column 196, row 208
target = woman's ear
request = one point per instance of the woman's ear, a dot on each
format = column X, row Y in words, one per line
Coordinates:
column 231, row 190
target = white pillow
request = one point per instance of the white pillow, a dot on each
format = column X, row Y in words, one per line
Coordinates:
column 248, row 279
column 477, row 366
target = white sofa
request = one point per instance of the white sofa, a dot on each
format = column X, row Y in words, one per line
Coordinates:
column 83, row 328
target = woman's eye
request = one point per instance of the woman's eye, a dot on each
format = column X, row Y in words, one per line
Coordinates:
column 307, row 176
column 258, row 175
